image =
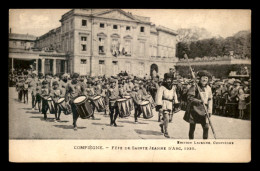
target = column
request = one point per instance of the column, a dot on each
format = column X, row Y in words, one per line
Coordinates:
column 54, row 66
column 65, row 66
column 37, row 66
column 43, row 66
column 12, row 65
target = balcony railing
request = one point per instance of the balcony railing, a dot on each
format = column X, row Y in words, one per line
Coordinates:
column 102, row 53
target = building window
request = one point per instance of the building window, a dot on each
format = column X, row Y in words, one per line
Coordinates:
column 127, row 48
column 83, row 47
column 84, row 23
column 83, row 39
column 101, row 46
column 14, row 43
column 141, row 29
column 115, row 47
column 127, row 28
column 22, row 43
column 83, row 43
column 83, row 61
column 102, row 25
column 115, row 27
column 115, row 67
column 101, row 62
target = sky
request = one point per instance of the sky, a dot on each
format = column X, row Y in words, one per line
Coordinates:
column 222, row 23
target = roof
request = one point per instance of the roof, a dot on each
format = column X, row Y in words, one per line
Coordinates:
column 98, row 12
column 22, row 37
column 165, row 29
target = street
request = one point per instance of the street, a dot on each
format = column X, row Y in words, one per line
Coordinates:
column 25, row 123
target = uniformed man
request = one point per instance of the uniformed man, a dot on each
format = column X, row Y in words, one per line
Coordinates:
column 195, row 112
column 137, row 98
column 166, row 96
column 32, row 87
column 74, row 89
column 113, row 95
column 45, row 91
column 19, row 87
column 56, row 94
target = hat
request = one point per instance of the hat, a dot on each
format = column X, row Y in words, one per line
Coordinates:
column 246, row 83
column 112, row 80
column 44, row 82
column 55, row 83
column 168, row 75
column 237, row 81
column 230, row 81
column 203, row 73
column 75, row 75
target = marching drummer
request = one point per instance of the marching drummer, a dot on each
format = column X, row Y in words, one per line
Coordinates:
column 55, row 94
column 91, row 92
column 165, row 97
column 44, row 94
column 113, row 95
column 74, row 89
column 145, row 95
column 137, row 98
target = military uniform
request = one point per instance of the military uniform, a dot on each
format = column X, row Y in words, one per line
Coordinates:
column 56, row 94
column 32, row 88
column 137, row 98
column 113, row 95
column 45, row 91
column 74, row 89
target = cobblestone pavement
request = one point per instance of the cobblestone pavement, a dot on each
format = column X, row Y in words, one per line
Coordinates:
column 25, row 123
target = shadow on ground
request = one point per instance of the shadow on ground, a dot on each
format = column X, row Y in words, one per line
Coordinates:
column 68, row 127
column 26, row 108
column 100, row 124
column 36, row 117
column 132, row 122
column 33, row 112
column 147, row 132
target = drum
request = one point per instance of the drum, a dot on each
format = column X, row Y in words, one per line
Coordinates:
column 62, row 105
column 51, row 105
column 83, row 107
column 130, row 103
column 152, row 103
column 99, row 103
column 146, row 109
column 122, row 108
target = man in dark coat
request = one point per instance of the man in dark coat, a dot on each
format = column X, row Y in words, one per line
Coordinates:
column 195, row 112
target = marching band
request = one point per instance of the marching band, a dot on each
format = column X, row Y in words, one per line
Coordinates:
column 118, row 96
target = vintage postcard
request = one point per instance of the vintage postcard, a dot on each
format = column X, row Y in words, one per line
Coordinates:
column 129, row 85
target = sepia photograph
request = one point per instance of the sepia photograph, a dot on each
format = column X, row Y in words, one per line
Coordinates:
column 168, row 84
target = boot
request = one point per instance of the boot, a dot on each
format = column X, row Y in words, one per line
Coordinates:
column 161, row 125
column 166, row 135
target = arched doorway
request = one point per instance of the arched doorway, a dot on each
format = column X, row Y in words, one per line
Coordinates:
column 153, row 67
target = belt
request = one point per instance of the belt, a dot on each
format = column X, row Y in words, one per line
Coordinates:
column 167, row 99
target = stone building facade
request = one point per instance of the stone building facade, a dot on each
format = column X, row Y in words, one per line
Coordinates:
column 108, row 41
